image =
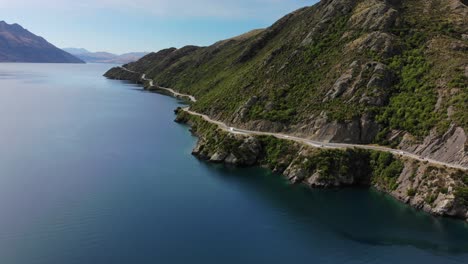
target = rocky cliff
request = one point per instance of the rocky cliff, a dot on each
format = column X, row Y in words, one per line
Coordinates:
column 389, row 72
column 436, row 190
column 19, row 45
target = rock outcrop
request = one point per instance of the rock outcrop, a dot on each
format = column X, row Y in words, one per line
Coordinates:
column 451, row 147
column 430, row 189
column 320, row 128
column 367, row 83
column 245, row 154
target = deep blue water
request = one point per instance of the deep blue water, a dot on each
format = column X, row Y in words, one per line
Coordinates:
column 96, row 171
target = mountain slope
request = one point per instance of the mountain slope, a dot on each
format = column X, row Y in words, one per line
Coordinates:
column 105, row 57
column 388, row 72
column 357, row 71
column 19, row 45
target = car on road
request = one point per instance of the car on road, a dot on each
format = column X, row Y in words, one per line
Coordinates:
column 231, row 129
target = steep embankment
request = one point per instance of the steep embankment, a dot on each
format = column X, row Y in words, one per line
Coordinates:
column 388, row 72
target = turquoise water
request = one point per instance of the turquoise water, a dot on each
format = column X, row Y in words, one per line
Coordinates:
column 96, row 171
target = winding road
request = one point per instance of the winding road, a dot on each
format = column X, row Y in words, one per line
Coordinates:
column 176, row 94
column 151, row 84
column 316, row 144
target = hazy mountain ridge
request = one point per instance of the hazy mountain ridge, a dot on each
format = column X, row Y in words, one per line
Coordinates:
column 75, row 51
column 105, row 57
column 19, row 45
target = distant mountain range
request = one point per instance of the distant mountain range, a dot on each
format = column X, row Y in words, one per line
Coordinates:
column 105, row 57
column 19, row 45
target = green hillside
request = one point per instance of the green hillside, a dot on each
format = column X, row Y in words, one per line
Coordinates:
column 357, row 71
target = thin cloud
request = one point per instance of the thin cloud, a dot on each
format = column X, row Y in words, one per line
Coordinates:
column 167, row 8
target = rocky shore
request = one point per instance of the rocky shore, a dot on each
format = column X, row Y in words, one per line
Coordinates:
column 439, row 191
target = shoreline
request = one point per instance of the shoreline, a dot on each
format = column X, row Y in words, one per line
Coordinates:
column 319, row 144
column 290, row 166
column 407, row 185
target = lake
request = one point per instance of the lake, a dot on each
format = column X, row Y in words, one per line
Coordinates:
column 96, row 171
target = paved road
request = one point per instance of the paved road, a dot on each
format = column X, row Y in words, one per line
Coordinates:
column 317, row 144
column 176, row 94
column 151, row 84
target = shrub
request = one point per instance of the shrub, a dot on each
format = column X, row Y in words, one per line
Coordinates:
column 386, row 170
column 411, row 192
column 461, row 194
column 430, row 199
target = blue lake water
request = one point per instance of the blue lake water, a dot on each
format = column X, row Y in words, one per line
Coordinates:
column 94, row 171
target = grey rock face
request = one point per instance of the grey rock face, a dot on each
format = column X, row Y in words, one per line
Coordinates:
column 263, row 125
column 377, row 42
column 340, row 86
column 318, row 181
column 356, row 84
column 198, row 150
column 243, row 111
column 377, row 15
column 250, row 150
column 421, row 181
column 246, row 154
column 450, row 147
column 369, row 129
column 358, row 131
column 297, row 173
column 232, row 160
column 218, row 157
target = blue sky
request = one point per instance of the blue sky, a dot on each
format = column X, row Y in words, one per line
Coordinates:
column 142, row 25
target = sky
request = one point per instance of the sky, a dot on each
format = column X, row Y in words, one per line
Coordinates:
column 121, row 26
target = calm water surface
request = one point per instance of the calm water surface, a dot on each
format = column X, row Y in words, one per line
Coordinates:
column 96, row 171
